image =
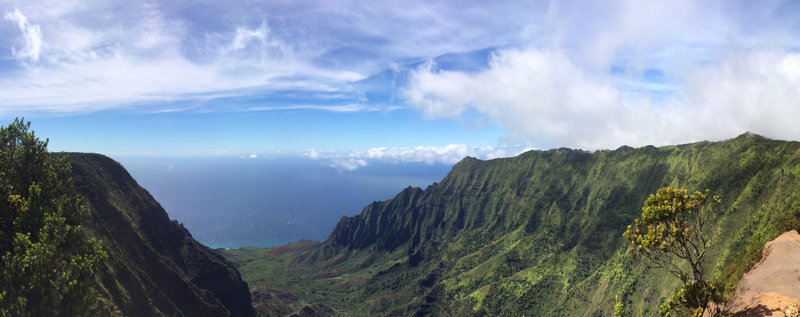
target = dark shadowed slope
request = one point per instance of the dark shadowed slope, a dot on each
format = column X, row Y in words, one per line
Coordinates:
column 155, row 268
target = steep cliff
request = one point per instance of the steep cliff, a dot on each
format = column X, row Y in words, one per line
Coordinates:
column 540, row 233
column 155, row 267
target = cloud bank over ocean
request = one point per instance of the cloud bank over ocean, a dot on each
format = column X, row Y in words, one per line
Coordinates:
column 448, row 155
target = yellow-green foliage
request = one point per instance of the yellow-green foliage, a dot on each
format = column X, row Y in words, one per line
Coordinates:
column 671, row 232
column 46, row 260
column 670, row 228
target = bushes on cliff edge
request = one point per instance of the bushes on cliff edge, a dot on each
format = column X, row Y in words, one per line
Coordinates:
column 46, row 261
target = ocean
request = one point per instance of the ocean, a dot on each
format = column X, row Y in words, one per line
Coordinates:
column 235, row 202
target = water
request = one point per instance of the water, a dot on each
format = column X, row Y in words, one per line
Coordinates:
column 233, row 202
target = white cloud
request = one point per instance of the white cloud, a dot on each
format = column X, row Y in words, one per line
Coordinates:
column 754, row 91
column 534, row 94
column 725, row 70
column 348, row 164
column 330, row 108
column 541, row 95
column 312, row 154
column 790, row 67
column 449, row 154
column 31, row 34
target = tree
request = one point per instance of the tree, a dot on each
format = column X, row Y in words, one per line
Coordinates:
column 47, row 262
column 670, row 231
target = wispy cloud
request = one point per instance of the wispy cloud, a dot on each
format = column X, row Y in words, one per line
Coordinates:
column 76, row 61
column 244, row 36
column 31, row 36
column 331, row 108
column 79, row 56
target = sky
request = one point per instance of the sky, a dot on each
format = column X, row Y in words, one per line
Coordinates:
column 350, row 82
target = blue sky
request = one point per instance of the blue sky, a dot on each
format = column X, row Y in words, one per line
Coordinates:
column 425, row 81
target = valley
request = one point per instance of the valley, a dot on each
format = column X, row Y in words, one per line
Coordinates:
column 537, row 234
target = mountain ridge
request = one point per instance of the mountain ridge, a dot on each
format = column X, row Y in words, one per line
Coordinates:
column 155, row 267
column 540, row 233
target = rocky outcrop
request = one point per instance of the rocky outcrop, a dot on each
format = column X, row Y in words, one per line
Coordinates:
column 154, row 267
column 772, row 287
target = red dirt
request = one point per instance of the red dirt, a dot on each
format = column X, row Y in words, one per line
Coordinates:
column 772, row 287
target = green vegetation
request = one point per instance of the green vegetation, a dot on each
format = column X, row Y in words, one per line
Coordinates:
column 539, row 234
column 671, row 229
column 154, row 267
column 79, row 237
column 47, row 261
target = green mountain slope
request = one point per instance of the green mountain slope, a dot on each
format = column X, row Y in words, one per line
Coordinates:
column 154, row 267
column 538, row 234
